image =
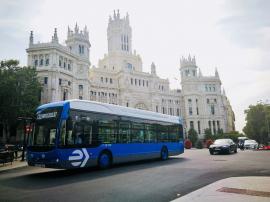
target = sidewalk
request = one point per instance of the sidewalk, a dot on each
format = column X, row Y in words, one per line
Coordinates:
column 242, row 189
column 15, row 164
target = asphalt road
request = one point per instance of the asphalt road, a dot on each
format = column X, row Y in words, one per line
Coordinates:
column 141, row 181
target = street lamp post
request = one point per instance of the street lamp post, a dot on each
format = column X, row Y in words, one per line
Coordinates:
column 25, row 131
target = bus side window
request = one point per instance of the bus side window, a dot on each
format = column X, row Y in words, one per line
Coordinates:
column 173, row 133
column 88, row 134
column 137, row 135
column 63, row 133
column 181, row 133
column 68, row 136
column 78, row 136
column 150, row 133
column 106, row 130
column 162, row 133
column 124, row 132
column 95, row 139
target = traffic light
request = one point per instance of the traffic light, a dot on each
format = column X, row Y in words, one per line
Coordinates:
column 28, row 128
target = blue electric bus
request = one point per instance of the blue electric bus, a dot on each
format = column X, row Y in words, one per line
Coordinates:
column 77, row 133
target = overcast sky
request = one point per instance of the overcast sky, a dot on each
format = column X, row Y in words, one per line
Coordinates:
column 232, row 35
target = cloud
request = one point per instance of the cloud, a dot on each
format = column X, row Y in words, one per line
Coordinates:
column 247, row 23
column 14, row 16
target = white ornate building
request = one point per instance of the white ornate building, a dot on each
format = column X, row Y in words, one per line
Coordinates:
column 65, row 73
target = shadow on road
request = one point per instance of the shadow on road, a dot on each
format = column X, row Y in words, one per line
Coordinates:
column 50, row 179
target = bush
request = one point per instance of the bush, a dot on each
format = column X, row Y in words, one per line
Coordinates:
column 233, row 135
column 199, row 144
column 209, row 142
column 188, row 144
column 193, row 136
column 208, row 134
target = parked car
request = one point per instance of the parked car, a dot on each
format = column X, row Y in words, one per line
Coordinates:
column 241, row 141
column 251, row 144
column 263, row 147
column 223, row 146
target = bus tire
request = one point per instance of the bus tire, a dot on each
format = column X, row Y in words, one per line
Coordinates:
column 105, row 160
column 164, row 153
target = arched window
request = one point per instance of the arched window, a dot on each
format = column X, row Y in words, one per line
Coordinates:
column 82, row 49
column 65, row 95
column 47, row 62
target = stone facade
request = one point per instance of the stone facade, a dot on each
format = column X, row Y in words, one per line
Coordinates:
column 63, row 70
column 205, row 105
column 65, row 73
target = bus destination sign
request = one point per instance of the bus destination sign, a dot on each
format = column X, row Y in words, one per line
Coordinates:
column 47, row 115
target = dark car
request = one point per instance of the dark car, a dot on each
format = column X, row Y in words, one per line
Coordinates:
column 223, row 146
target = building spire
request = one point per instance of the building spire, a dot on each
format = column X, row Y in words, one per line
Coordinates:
column 76, row 28
column 31, row 38
column 114, row 15
column 153, row 68
column 55, row 37
column 127, row 18
column 68, row 32
column 188, row 62
column 118, row 14
column 86, row 32
column 216, row 73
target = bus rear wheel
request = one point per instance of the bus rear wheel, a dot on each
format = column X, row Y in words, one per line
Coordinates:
column 104, row 160
column 164, row 154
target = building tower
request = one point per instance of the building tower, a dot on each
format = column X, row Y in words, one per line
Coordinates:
column 189, row 77
column 188, row 68
column 119, row 34
column 78, row 41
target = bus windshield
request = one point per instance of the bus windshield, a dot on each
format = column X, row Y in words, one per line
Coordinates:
column 45, row 127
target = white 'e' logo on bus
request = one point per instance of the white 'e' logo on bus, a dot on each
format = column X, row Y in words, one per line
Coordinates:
column 77, row 157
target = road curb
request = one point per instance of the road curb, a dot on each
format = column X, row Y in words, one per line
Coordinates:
column 12, row 167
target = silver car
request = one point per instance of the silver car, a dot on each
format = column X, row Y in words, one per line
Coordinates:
column 250, row 144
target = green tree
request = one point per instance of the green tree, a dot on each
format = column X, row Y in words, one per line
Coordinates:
column 232, row 135
column 208, row 134
column 193, row 136
column 257, row 122
column 19, row 93
column 199, row 144
column 220, row 131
